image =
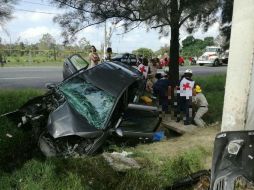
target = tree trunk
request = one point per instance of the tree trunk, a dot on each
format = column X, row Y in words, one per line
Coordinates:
column 174, row 55
column 174, row 43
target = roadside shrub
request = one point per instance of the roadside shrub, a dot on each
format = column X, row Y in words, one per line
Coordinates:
column 213, row 87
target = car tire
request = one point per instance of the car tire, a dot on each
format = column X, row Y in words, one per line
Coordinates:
column 216, row 63
column 201, row 64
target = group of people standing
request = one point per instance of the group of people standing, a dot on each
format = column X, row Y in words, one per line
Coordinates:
column 181, row 98
column 94, row 57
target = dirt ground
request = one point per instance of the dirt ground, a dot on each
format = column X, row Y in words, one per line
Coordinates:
column 173, row 146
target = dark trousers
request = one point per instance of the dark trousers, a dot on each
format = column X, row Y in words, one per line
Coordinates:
column 163, row 100
column 184, row 106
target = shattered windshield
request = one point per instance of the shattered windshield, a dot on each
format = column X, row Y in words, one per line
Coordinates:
column 91, row 102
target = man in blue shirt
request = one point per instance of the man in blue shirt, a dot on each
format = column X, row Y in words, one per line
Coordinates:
column 161, row 89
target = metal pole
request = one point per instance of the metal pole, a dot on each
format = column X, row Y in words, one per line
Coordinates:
column 105, row 39
column 240, row 79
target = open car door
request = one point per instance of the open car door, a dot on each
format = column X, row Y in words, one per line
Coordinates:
column 140, row 121
column 73, row 64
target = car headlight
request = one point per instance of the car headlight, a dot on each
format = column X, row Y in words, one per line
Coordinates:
column 234, row 146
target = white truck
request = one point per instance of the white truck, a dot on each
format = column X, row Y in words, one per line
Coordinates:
column 211, row 56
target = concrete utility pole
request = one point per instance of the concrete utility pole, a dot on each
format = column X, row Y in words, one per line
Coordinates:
column 238, row 112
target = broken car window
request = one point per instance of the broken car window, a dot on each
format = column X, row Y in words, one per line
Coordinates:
column 78, row 62
column 91, row 102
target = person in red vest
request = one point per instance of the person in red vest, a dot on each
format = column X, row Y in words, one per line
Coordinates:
column 181, row 61
column 143, row 67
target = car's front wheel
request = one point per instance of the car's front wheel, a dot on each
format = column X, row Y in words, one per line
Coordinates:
column 216, row 63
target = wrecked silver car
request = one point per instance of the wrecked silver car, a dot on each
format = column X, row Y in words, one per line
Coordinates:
column 89, row 107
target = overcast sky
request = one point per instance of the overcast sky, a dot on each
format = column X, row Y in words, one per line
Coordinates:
column 30, row 26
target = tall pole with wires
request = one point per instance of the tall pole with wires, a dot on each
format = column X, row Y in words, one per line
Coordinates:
column 105, row 39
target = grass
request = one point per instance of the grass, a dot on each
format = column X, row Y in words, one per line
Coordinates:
column 94, row 173
column 9, row 101
column 213, row 87
column 23, row 167
column 38, row 60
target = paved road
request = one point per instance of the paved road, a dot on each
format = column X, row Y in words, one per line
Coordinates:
column 29, row 77
column 37, row 77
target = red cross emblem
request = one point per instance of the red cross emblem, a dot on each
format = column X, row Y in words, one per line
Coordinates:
column 186, row 86
column 143, row 69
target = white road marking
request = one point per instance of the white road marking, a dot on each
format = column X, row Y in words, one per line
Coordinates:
column 20, row 78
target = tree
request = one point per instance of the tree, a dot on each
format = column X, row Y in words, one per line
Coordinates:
column 194, row 47
column 164, row 49
column 84, row 44
column 145, row 52
column 226, row 21
column 6, row 8
column 188, row 41
column 47, row 41
column 160, row 14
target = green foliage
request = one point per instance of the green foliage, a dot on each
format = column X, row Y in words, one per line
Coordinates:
column 182, row 165
column 95, row 173
column 10, row 100
column 47, row 41
column 162, row 50
column 195, row 47
column 145, row 52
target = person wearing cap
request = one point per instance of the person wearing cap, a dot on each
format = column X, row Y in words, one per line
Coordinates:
column 200, row 100
column 184, row 96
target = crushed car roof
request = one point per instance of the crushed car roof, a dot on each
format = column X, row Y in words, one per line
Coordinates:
column 111, row 77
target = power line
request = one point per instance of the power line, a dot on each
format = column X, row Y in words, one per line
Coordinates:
column 24, row 10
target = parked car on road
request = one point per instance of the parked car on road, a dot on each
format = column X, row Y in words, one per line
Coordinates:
column 91, row 106
column 126, row 58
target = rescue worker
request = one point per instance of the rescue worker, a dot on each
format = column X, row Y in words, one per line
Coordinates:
column 161, row 90
column 143, row 67
column 200, row 100
column 184, row 96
